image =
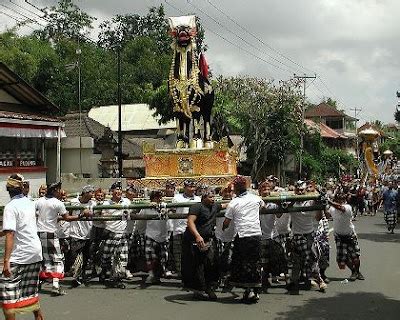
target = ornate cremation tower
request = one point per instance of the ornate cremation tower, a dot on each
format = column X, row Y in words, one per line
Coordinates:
column 192, row 97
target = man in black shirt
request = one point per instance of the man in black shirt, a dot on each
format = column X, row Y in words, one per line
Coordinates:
column 199, row 248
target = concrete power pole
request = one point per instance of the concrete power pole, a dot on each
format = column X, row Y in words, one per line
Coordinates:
column 304, row 80
column 356, row 112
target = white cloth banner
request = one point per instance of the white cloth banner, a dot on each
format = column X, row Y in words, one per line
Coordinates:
column 30, row 132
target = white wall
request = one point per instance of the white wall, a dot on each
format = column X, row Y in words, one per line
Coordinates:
column 35, row 179
column 70, row 156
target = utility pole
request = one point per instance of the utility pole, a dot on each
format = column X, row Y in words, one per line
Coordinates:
column 120, row 161
column 303, row 78
column 78, row 53
column 356, row 111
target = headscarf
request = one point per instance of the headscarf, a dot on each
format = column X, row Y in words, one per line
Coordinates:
column 240, row 182
column 15, row 181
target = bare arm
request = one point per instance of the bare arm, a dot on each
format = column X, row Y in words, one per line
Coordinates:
column 7, row 252
column 68, row 217
column 193, row 230
column 226, row 223
column 337, row 206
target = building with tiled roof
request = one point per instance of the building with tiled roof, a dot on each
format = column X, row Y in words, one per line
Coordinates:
column 86, row 134
column 30, row 133
column 334, row 124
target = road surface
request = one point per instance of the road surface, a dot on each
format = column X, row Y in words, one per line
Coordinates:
column 378, row 297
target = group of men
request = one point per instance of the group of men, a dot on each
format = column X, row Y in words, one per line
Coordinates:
column 255, row 247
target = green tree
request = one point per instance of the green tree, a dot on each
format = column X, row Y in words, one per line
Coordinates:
column 66, row 20
column 267, row 116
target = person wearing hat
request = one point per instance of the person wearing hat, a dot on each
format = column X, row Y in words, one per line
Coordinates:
column 390, row 207
column 347, row 247
column 81, row 235
column 170, row 188
column 134, row 233
column 301, row 256
column 22, row 256
column 179, row 225
column 49, row 211
column 272, row 252
column 116, row 244
column 244, row 211
column 98, row 233
column 273, row 182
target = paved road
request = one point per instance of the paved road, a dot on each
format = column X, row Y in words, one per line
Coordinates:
column 378, row 297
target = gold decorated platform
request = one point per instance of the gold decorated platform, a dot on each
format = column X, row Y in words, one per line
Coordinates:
column 215, row 166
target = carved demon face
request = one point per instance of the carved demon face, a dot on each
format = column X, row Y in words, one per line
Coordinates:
column 183, row 29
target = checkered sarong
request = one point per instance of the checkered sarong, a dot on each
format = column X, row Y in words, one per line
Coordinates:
column 225, row 250
column 177, row 251
column 347, row 248
column 53, row 258
column 322, row 238
column 273, row 257
column 19, row 293
column 156, row 255
column 391, row 218
column 115, row 255
column 137, row 254
column 301, row 255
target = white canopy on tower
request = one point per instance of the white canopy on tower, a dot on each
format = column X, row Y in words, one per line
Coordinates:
column 189, row 21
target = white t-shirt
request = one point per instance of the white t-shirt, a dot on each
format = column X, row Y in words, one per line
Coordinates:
column 302, row 221
column 19, row 216
column 117, row 226
column 342, row 223
column 244, row 211
column 48, row 210
column 63, row 229
column 268, row 223
column 228, row 234
column 179, row 225
column 283, row 223
column 156, row 229
column 81, row 229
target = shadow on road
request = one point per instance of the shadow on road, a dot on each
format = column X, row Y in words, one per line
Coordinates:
column 380, row 237
column 359, row 305
column 188, row 297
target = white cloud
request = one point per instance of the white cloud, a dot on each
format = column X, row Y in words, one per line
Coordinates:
column 353, row 45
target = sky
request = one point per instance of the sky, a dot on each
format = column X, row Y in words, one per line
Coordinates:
column 352, row 46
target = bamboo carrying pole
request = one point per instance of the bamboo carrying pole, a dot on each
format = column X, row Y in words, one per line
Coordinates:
column 165, row 209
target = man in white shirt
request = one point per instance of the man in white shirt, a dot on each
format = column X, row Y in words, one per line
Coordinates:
column 347, row 248
column 303, row 238
column 243, row 210
column 23, row 254
column 48, row 211
column 81, row 235
column 179, row 225
column 115, row 252
column 272, row 253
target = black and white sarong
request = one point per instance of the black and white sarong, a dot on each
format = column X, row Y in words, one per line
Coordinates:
column 53, row 258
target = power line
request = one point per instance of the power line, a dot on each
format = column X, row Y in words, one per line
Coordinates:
column 225, row 39
column 21, row 22
column 47, row 20
column 19, row 13
column 244, row 40
column 257, row 38
column 21, row 7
